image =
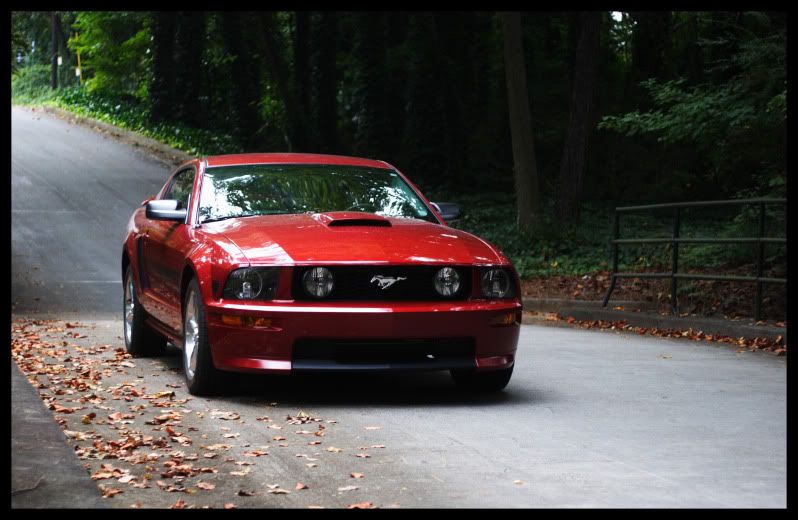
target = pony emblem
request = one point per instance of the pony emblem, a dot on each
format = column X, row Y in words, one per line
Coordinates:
column 383, row 282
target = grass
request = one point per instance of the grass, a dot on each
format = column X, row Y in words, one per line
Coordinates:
column 129, row 113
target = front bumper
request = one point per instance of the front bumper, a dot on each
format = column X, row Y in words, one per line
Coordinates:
column 487, row 325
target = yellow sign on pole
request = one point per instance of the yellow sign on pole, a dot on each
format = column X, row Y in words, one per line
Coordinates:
column 79, row 71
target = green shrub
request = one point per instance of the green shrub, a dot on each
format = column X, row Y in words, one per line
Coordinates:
column 31, row 84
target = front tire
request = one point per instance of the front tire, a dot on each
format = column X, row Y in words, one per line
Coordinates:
column 140, row 339
column 202, row 377
column 482, row 382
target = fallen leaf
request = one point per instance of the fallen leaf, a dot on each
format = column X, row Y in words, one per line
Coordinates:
column 180, row 504
column 356, row 475
column 225, row 416
column 109, row 491
column 218, row 447
column 206, row 485
column 300, row 485
column 78, row 436
column 373, row 427
column 243, row 493
column 348, row 488
column 160, row 395
column 333, row 449
column 229, row 505
column 361, row 505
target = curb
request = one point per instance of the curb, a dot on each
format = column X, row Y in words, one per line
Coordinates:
column 557, row 305
column 45, row 473
column 162, row 152
column 590, row 311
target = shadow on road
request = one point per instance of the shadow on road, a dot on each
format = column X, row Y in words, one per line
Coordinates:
column 400, row 389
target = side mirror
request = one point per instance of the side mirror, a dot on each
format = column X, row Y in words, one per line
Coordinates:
column 448, row 210
column 166, row 210
column 145, row 201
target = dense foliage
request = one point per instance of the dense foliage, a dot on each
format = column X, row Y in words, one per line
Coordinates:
column 684, row 105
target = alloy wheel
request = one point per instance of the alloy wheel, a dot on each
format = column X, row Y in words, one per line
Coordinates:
column 190, row 334
column 130, row 307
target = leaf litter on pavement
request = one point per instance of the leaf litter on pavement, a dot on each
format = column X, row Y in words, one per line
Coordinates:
column 130, row 431
column 776, row 346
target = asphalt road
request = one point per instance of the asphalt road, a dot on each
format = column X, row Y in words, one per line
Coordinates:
column 72, row 193
column 590, row 419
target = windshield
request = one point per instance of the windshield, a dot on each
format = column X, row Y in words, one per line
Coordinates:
column 271, row 189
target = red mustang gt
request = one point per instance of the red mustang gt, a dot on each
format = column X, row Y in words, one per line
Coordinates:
column 281, row 263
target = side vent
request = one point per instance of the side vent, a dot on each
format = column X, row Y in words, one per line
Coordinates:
column 362, row 222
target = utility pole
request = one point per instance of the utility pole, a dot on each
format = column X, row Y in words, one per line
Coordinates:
column 54, row 52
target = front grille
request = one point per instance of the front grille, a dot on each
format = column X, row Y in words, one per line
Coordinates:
column 354, row 283
column 381, row 354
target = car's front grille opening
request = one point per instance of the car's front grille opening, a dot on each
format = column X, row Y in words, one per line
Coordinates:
column 382, row 354
column 389, row 282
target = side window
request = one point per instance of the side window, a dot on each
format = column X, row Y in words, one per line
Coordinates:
column 181, row 187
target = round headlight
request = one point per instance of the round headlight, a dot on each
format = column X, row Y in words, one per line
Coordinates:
column 245, row 284
column 495, row 283
column 318, row 282
column 447, row 281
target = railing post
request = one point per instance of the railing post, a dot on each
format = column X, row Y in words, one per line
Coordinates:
column 675, row 262
column 760, row 258
column 615, row 235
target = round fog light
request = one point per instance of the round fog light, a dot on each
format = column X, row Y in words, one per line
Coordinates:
column 447, row 281
column 318, row 282
column 495, row 283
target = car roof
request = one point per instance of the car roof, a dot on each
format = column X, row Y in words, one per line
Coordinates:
column 291, row 158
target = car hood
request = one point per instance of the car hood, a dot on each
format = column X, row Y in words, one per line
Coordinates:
column 351, row 237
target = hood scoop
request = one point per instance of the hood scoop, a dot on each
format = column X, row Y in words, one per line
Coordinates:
column 351, row 219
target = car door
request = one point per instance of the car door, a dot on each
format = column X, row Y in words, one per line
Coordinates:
column 164, row 252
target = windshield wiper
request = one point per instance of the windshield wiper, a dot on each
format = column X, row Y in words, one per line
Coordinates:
column 217, row 219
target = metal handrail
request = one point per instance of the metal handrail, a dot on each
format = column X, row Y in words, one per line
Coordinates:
column 675, row 240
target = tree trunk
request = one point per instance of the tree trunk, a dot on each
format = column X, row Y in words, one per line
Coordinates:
column 373, row 132
column 579, row 127
column 162, row 88
column 324, row 87
column 424, row 143
column 302, row 82
column 525, row 170
column 650, row 49
column 53, row 51
column 189, row 44
column 245, row 80
column 296, row 119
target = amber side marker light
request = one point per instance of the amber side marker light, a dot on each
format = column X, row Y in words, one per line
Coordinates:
column 505, row 318
column 246, row 321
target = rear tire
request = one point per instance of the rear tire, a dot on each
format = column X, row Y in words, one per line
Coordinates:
column 202, row 377
column 140, row 339
column 482, row 382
